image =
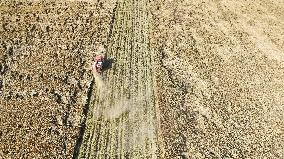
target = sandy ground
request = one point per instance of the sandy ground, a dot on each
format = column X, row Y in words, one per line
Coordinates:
column 221, row 81
column 45, row 52
column 189, row 79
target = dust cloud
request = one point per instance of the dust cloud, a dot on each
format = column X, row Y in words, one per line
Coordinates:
column 101, row 87
column 125, row 105
column 119, row 106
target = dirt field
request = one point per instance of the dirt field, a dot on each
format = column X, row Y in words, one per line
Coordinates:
column 187, row 79
column 45, row 52
column 221, row 80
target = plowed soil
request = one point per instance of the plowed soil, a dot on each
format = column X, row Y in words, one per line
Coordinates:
column 182, row 79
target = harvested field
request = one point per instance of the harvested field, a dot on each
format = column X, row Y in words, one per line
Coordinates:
column 45, row 52
column 185, row 79
column 221, row 78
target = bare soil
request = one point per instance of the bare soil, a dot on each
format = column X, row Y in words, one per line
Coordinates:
column 46, row 48
column 186, row 79
column 221, row 78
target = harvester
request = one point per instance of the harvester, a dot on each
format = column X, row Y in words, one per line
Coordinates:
column 98, row 64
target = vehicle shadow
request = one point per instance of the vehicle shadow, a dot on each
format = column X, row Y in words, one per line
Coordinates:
column 108, row 64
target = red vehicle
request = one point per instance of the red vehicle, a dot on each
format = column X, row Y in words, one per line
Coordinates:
column 98, row 64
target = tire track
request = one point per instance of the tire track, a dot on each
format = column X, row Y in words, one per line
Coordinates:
column 123, row 118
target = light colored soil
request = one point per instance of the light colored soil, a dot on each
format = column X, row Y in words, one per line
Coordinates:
column 45, row 52
column 221, row 80
column 189, row 79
